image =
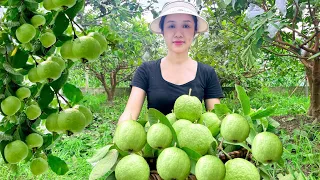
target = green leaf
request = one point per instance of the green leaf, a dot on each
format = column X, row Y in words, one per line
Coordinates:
column 73, row 11
column 242, row 144
column 191, row 153
column 46, row 96
column 100, row 154
column 273, row 122
column 32, row 6
column 57, row 84
column 104, row 165
column 61, row 24
column 193, row 166
column 112, row 176
column 2, row 146
column 244, row 99
column 263, row 112
column 314, row 56
column 73, row 93
column 221, row 110
column 148, row 151
column 20, row 59
column 155, row 115
column 264, row 123
column 57, row 165
column 9, row 69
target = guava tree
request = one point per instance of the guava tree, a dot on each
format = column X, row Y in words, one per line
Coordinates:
column 287, row 29
column 35, row 58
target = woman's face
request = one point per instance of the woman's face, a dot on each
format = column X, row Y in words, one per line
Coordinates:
column 178, row 32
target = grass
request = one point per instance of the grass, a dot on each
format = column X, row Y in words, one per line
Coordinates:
column 301, row 146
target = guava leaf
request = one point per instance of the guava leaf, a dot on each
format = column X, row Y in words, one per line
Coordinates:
column 155, row 115
column 57, row 165
column 314, row 56
column 46, row 96
column 19, row 59
column 148, row 151
column 100, row 154
column 112, row 176
column 73, row 93
column 2, row 146
column 263, row 112
column 9, row 69
column 242, row 144
column 244, row 99
column 193, row 164
column 73, row 11
column 61, row 24
column 221, row 110
column 273, row 123
column 104, row 165
column 191, row 153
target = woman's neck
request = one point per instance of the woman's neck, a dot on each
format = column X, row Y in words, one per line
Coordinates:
column 175, row 58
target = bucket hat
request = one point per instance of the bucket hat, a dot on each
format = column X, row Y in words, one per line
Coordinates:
column 178, row 7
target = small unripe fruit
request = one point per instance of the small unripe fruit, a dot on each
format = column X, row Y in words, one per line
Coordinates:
column 47, row 39
column 33, row 75
column 52, row 123
column 25, row 33
column 33, row 112
column 58, row 60
column 38, row 20
column 23, row 93
column 86, row 112
column 34, row 140
column 71, row 120
column 86, row 47
column 15, row 151
column 66, row 51
column 49, row 70
column 49, row 5
column 10, row 105
column 38, row 166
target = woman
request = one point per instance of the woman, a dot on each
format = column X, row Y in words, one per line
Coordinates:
column 164, row 80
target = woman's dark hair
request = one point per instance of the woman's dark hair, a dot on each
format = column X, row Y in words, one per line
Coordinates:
column 161, row 24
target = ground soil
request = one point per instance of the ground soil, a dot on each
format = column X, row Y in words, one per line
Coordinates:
column 291, row 122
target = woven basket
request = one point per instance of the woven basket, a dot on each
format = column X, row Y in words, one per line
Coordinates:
column 242, row 153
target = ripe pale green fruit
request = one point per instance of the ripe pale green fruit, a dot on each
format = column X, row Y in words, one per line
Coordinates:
column 241, row 169
column 133, row 167
column 67, row 3
column 25, row 33
column 159, row 136
column 52, row 123
column 10, row 105
column 33, row 75
column 86, row 112
column 49, row 5
column 58, row 60
column 210, row 167
column 86, row 47
column 38, row 166
column 173, row 163
column 234, row 128
column 267, row 147
column 66, row 51
column 130, row 136
column 71, row 120
column 34, row 140
column 196, row 137
column 47, row 39
column 15, row 151
column 180, row 124
column 211, row 120
column 171, row 117
column 49, row 70
column 101, row 39
column 187, row 107
column 38, row 20
column 33, row 112
column 23, row 93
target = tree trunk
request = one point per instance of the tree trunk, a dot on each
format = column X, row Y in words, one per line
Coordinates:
column 310, row 82
column 315, row 100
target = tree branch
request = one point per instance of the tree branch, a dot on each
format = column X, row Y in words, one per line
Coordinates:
column 312, row 14
column 308, row 40
column 294, row 20
column 299, row 33
column 291, row 55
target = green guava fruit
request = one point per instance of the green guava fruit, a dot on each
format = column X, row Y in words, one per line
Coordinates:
column 187, row 107
column 47, row 39
column 10, row 105
column 67, row 3
column 38, row 20
column 86, row 47
column 267, row 147
column 173, row 163
column 86, row 112
column 33, row 75
column 210, row 167
column 66, row 51
column 25, row 33
column 234, row 128
column 171, row 117
column 101, row 39
column 49, row 70
column 38, row 166
column 23, row 93
column 241, row 169
column 196, row 137
column 49, row 5
column 130, row 136
column 33, row 112
column 180, row 124
column 159, row 136
column 71, row 120
column 211, row 120
column 52, row 123
column 58, row 60
column 34, row 140
column 133, row 167
column 15, row 151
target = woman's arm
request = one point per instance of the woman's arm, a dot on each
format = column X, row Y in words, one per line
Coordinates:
column 134, row 105
column 211, row 102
